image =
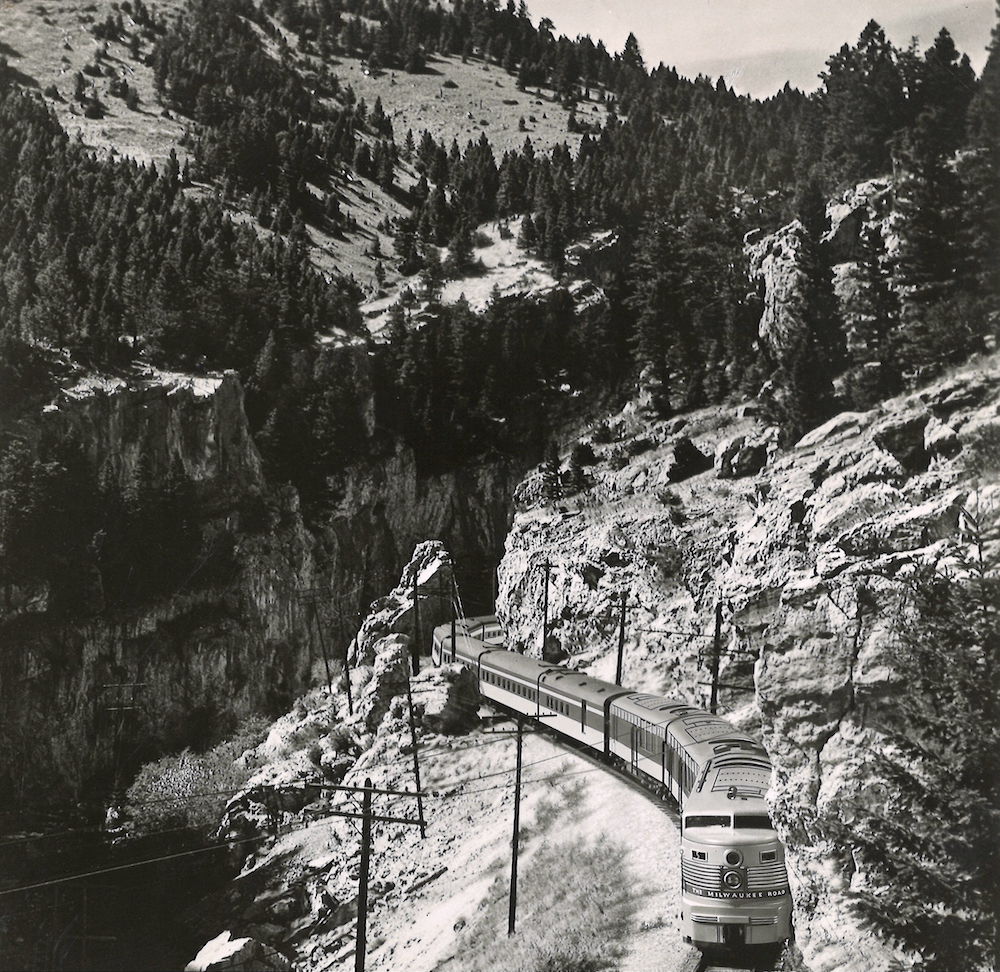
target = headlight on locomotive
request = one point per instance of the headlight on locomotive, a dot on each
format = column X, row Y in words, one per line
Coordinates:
column 734, row 880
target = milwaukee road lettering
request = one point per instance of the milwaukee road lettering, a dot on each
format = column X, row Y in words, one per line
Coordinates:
column 704, row 893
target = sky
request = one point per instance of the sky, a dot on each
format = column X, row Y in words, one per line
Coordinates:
column 757, row 45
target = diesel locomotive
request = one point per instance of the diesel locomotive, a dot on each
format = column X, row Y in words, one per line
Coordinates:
column 734, row 885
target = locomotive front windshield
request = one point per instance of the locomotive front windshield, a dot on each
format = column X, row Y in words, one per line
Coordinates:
column 753, row 821
column 741, row 821
column 708, row 820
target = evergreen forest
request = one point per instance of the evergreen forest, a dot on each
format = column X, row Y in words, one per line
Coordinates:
column 106, row 263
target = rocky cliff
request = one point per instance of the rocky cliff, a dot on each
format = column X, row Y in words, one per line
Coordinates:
column 85, row 701
column 804, row 554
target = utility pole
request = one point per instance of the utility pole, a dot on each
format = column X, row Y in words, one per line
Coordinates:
column 416, row 759
column 515, row 837
column 310, row 596
column 415, row 647
column 716, row 656
column 347, row 679
column 367, row 818
column 515, row 840
column 366, row 850
column 621, row 638
column 322, row 643
column 454, row 612
column 346, row 661
column 124, row 699
column 545, row 609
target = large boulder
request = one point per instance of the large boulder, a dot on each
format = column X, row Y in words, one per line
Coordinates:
column 227, row 954
column 742, row 455
column 773, row 264
column 447, row 698
column 686, row 460
column 902, row 436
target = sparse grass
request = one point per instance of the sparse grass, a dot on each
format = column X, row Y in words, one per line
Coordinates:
column 574, row 907
column 484, row 91
column 452, row 100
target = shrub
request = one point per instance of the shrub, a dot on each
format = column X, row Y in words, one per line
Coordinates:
column 618, row 458
column 583, row 454
column 983, row 451
column 669, row 498
column 603, row 433
column 191, row 789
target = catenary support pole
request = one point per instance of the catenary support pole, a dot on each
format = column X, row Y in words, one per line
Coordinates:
column 347, row 678
column 416, row 759
column 512, row 911
column 454, row 615
column 713, row 704
column 621, row 639
column 545, row 610
column 322, row 645
column 415, row 644
column 366, row 850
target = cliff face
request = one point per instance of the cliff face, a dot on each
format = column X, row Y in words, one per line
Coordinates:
column 388, row 506
column 85, row 702
column 807, row 559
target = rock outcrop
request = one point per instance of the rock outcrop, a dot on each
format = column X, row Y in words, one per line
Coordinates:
column 744, row 455
column 773, row 266
column 228, row 954
column 207, row 656
column 808, row 560
column 320, row 744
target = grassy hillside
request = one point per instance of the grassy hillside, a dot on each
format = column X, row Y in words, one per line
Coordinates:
column 47, row 45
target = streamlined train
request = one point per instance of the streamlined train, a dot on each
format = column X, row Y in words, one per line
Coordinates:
column 734, row 886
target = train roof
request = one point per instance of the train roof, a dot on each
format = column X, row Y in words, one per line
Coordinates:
column 653, row 708
column 513, row 663
column 575, row 685
column 581, row 686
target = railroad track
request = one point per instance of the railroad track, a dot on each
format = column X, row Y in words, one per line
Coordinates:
column 668, row 809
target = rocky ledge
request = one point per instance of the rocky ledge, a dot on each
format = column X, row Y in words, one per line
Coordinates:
column 804, row 553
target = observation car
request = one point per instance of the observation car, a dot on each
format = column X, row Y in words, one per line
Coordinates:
column 734, row 885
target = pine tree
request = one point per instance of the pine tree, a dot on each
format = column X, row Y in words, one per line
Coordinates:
column 823, row 335
column 461, row 256
column 527, row 237
column 980, row 173
column 931, row 886
column 871, row 317
column 551, row 476
column 658, row 305
column 864, row 106
column 929, row 265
